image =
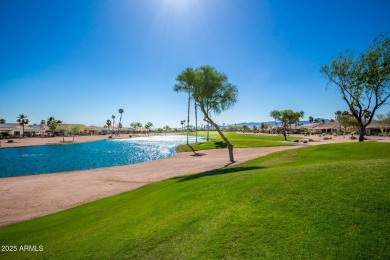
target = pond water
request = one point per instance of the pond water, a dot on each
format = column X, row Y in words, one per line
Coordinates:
column 80, row 156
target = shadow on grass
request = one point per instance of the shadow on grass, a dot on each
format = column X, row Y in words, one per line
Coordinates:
column 216, row 172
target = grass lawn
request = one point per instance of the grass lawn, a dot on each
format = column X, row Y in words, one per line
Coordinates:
column 237, row 140
column 327, row 201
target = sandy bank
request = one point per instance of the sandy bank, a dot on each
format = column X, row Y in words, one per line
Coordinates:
column 27, row 197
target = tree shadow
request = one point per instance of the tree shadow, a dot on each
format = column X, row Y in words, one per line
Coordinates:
column 220, row 144
column 216, row 172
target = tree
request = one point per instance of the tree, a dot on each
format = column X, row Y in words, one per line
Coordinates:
column 363, row 80
column 108, row 124
column 120, row 120
column 43, row 122
column 136, row 125
column 148, row 126
column 182, row 122
column 285, row 118
column 254, row 128
column 245, row 128
column 167, row 128
column 22, row 120
column 263, row 126
column 311, row 119
column 52, row 123
column 2, row 121
column 186, row 81
column 113, row 125
column 75, row 129
column 212, row 93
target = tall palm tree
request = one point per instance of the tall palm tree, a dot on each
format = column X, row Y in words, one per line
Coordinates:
column 311, row 119
column 196, row 122
column 108, row 124
column 22, row 120
column 120, row 120
column 2, row 121
column 338, row 114
column 113, row 125
column 182, row 122
column 186, row 81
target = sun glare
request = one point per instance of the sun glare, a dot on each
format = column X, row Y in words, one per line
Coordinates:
column 177, row 4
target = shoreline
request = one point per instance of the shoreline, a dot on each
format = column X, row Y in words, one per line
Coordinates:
column 58, row 140
column 28, row 197
column 32, row 196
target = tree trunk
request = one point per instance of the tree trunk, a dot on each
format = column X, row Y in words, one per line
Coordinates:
column 284, row 134
column 228, row 144
column 188, row 114
column 208, row 131
column 196, row 123
column 362, row 132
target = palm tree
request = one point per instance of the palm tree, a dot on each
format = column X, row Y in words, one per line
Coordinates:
column 108, row 124
column 196, row 122
column 43, row 122
column 22, row 120
column 120, row 119
column 311, row 119
column 186, row 81
column 113, row 125
column 182, row 122
column 2, row 121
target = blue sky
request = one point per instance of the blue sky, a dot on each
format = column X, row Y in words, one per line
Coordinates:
column 80, row 61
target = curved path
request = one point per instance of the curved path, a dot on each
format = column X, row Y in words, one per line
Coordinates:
column 28, row 197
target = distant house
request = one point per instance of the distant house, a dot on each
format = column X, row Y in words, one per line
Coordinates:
column 16, row 130
column 374, row 128
column 377, row 127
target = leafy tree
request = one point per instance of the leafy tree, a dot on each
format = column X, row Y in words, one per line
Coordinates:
column 186, row 81
column 263, row 126
column 213, row 94
column 254, row 128
column 75, row 129
column 136, row 125
column 52, row 123
column 22, row 120
column 120, row 120
column 363, row 80
column 167, row 128
column 149, row 126
column 245, row 128
column 285, row 118
column 43, row 122
column 2, row 121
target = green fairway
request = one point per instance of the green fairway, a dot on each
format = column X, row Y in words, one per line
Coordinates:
column 237, row 140
column 326, row 201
